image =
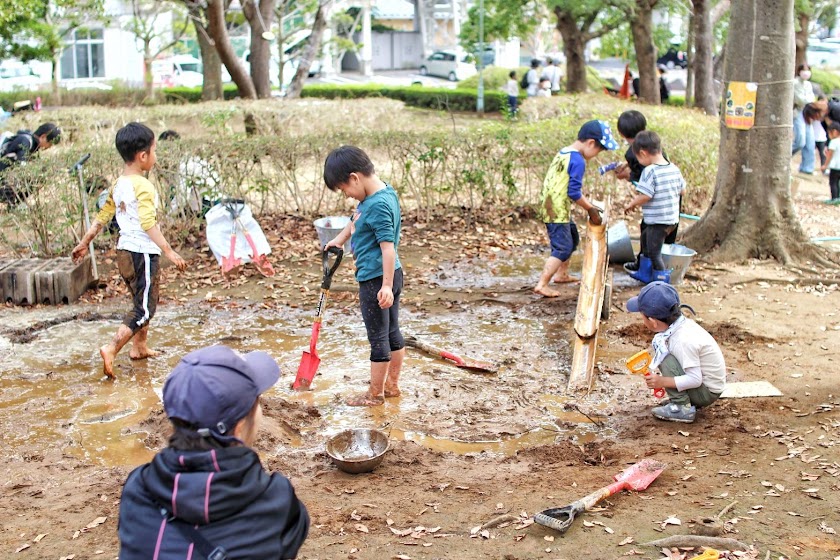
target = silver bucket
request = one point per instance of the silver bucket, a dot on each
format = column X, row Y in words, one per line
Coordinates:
column 329, row 227
column 619, row 246
column 677, row 258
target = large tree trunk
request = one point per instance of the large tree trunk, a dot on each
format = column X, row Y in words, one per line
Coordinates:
column 56, row 91
column 641, row 25
column 574, row 47
column 260, row 48
column 801, row 39
column 148, row 78
column 690, row 63
column 218, row 32
column 313, row 46
column 752, row 214
column 704, row 65
column 211, row 64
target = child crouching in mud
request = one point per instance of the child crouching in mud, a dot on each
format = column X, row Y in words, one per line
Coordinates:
column 691, row 366
column 134, row 201
column 375, row 229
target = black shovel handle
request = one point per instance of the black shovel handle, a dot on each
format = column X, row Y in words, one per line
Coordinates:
column 325, row 259
column 78, row 165
column 560, row 519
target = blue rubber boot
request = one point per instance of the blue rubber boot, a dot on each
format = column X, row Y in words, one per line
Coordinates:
column 662, row 276
column 645, row 272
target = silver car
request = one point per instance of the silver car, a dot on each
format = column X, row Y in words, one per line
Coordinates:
column 448, row 64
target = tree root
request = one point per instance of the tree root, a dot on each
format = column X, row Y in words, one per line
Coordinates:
column 496, row 521
column 685, row 541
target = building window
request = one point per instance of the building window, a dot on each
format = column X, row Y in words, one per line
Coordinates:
column 84, row 55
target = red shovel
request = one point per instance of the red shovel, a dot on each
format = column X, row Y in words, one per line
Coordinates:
column 637, row 478
column 309, row 362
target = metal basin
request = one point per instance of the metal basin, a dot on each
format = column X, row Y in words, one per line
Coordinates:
column 619, row 246
column 359, row 450
column 677, row 258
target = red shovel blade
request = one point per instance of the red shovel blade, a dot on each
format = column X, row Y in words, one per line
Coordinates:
column 639, row 476
column 306, row 371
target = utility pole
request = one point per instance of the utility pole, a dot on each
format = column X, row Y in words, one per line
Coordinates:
column 479, row 103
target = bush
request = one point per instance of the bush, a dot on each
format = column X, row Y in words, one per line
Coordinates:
column 494, row 78
column 415, row 96
column 829, row 82
column 118, row 96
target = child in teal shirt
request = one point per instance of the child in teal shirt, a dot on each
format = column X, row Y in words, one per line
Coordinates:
column 375, row 230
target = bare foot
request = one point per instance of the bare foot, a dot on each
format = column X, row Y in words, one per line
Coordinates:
column 391, row 393
column 566, row 279
column 365, row 400
column 142, row 354
column 108, row 356
column 545, row 291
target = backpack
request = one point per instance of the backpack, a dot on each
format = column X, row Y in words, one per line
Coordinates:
column 524, row 83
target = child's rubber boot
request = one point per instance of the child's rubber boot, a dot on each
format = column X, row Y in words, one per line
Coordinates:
column 645, row 272
column 662, row 276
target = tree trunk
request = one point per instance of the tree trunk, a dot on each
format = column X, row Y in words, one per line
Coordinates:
column 211, row 64
column 802, row 39
column 313, row 45
column 574, row 47
column 690, row 63
column 148, row 78
column 641, row 25
column 752, row 214
column 704, row 65
column 219, row 34
column 257, row 16
column 56, row 91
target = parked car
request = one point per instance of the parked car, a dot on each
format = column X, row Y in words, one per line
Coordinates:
column 19, row 78
column 823, row 54
column 672, row 59
column 448, row 64
column 179, row 70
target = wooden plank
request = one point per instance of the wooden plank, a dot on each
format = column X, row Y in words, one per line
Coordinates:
column 591, row 295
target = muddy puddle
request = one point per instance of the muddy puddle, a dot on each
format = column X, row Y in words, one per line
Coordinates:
column 56, row 380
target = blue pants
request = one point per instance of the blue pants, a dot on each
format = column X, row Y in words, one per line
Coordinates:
column 564, row 239
column 803, row 139
column 512, row 101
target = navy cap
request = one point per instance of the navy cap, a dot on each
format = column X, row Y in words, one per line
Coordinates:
column 600, row 131
column 215, row 387
column 658, row 300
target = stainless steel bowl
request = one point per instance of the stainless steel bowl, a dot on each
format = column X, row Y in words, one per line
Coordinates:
column 359, row 450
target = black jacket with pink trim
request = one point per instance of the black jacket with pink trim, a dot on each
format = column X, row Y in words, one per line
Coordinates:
column 225, row 494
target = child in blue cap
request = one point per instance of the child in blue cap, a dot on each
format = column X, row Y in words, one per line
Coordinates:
column 563, row 185
column 691, row 366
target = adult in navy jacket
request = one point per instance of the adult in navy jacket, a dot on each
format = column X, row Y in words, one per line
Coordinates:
column 207, row 495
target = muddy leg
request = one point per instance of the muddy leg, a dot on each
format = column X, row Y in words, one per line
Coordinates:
column 551, row 266
column 392, row 380
column 139, row 348
column 562, row 274
column 374, row 395
column 109, row 351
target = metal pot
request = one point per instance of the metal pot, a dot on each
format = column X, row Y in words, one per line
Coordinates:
column 358, row 450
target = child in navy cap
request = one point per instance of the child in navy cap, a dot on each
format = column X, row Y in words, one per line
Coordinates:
column 691, row 366
column 207, row 494
column 563, row 185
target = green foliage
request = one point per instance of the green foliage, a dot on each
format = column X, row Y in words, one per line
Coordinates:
column 503, row 19
column 415, row 96
column 619, row 42
column 494, row 78
column 117, row 97
column 829, row 82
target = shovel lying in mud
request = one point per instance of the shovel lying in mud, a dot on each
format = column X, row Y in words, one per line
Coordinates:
column 310, row 361
column 461, row 362
column 637, row 478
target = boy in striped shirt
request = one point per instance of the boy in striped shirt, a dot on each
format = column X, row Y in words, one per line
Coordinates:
column 658, row 193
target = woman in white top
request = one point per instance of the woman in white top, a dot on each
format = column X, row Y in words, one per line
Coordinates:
column 803, row 135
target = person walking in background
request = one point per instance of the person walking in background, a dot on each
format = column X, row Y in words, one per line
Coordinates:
column 512, row 90
column 803, row 134
column 532, row 79
column 820, row 129
column 553, row 74
column 832, row 164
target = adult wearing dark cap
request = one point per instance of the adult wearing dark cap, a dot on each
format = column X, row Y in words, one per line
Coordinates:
column 206, row 495
column 691, row 366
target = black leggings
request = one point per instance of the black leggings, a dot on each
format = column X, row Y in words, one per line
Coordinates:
column 653, row 236
column 383, row 325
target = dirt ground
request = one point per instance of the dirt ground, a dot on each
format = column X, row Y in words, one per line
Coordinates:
column 769, row 467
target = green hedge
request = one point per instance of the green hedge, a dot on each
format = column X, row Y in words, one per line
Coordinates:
column 117, row 97
column 494, row 78
column 829, row 82
column 416, row 96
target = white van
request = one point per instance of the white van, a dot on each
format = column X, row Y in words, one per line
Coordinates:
column 179, row 70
